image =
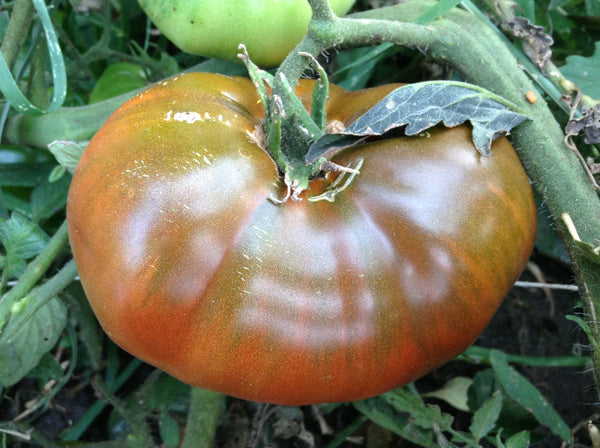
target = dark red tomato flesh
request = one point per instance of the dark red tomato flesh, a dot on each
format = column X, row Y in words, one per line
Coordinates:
column 190, row 266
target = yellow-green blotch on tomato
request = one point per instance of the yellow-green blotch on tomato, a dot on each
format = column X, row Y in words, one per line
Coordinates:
column 269, row 29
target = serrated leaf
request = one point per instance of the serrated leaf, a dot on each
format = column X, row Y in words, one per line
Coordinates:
column 23, row 343
column 454, row 392
column 584, row 72
column 382, row 414
column 49, row 197
column 423, row 105
column 526, row 394
column 422, row 415
column 22, row 240
column 486, row 416
column 67, row 152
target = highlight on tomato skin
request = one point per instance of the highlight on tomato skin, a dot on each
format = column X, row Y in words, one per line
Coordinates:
column 190, row 266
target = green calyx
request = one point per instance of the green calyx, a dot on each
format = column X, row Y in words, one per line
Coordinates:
column 289, row 128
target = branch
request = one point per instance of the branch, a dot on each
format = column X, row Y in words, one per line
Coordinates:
column 16, row 32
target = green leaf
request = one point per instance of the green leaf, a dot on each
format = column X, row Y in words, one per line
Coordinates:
column 47, row 369
column 168, row 394
column 3, row 208
column 486, row 417
column 24, row 341
column 436, row 11
column 358, row 64
column 422, row 415
column 423, row 105
column 117, row 79
column 68, row 152
column 592, row 7
column 518, row 440
column 22, row 240
column 24, row 174
column 483, row 386
column 49, row 197
column 584, row 326
column 525, row 393
column 589, row 250
column 14, row 203
column 584, row 72
column 169, row 430
column 382, row 414
column 89, row 329
column 454, row 392
column 528, row 9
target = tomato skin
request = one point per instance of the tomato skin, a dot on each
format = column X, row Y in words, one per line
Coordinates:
column 189, row 266
column 269, row 29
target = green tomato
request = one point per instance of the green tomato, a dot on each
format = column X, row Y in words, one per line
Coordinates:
column 269, row 29
column 117, row 79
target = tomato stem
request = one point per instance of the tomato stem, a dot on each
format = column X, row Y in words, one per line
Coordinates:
column 34, row 272
column 16, row 31
column 320, row 94
column 205, row 409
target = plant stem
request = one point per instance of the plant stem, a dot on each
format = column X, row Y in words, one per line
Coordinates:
column 16, row 31
column 324, row 32
column 35, row 270
column 205, row 409
column 67, row 123
column 40, row 296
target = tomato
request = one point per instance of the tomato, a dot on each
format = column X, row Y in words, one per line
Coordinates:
column 189, row 265
column 269, row 29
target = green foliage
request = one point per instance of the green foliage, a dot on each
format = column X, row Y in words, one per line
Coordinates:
column 117, row 79
column 585, row 72
column 30, row 333
column 22, row 240
column 110, row 51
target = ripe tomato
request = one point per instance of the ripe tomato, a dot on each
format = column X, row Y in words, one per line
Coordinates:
column 269, row 29
column 190, row 266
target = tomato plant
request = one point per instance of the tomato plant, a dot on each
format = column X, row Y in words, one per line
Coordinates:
column 190, row 265
column 268, row 29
